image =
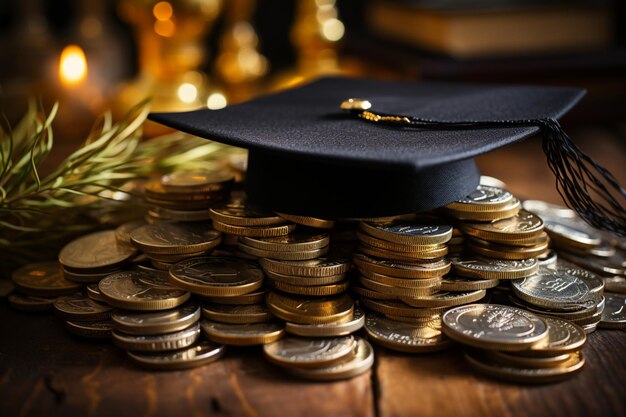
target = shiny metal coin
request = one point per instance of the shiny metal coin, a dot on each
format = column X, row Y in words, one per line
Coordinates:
column 405, row 336
column 157, row 322
column 193, row 356
column 157, row 343
column 341, row 328
column 78, row 307
column 614, row 314
column 243, row 334
column 301, row 352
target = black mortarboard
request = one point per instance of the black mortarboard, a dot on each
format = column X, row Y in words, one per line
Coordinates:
column 411, row 152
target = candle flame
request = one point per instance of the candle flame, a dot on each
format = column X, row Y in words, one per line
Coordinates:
column 72, row 65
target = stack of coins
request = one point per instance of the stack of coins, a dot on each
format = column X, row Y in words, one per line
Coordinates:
column 155, row 323
column 579, row 243
column 164, row 244
column 38, row 286
column 236, row 218
column 325, row 359
column 564, row 291
column 401, row 267
column 186, row 196
column 90, row 258
column 514, row 344
column 495, row 227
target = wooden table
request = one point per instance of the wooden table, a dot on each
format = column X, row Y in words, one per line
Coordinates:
column 46, row 372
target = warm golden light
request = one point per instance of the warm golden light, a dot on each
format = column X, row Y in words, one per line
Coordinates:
column 187, row 93
column 216, row 101
column 163, row 10
column 165, row 28
column 72, row 65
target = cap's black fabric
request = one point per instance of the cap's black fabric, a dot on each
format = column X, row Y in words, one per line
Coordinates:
column 309, row 157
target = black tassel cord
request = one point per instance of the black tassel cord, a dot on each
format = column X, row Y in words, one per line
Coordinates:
column 578, row 177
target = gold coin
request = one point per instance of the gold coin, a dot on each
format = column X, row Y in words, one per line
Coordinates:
column 322, row 267
column 168, row 214
column 255, row 231
column 487, row 215
column 308, row 221
column 244, row 314
column 284, row 255
column 95, row 251
column 159, row 342
column 312, row 290
column 156, row 192
column 196, row 355
column 524, row 225
column 77, row 307
column 402, row 256
column 43, row 279
column 454, row 283
column 495, row 327
column 431, row 283
column 171, row 259
column 134, row 290
column 482, row 363
column 179, row 205
column 407, row 337
column 374, row 295
column 30, row 302
column 242, row 334
column 123, row 231
column 335, row 329
column 398, row 308
column 362, row 360
column 310, row 311
column 163, row 266
column 485, row 268
column 217, row 276
column 396, row 247
column 174, row 239
column 197, row 181
column 511, row 359
column 237, row 213
column 295, row 242
column 247, row 299
column 400, row 270
column 299, row 352
column 397, row 291
column 305, row 281
column 90, row 278
column 506, row 252
column 444, row 299
column 484, row 198
column 408, row 233
column 157, row 322
column 91, row 329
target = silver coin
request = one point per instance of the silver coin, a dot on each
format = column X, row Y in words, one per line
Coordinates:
column 553, row 288
column 478, row 267
column 308, row 352
column 614, row 314
column 574, row 232
column 615, row 284
column 157, row 343
column 90, row 329
column 157, row 322
column 549, row 257
column 196, row 355
column 362, row 362
column 547, row 210
column 613, row 265
column 493, row 326
column 487, row 195
column 406, row 336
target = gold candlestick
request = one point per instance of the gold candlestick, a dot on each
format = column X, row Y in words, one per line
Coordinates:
column 170, row 37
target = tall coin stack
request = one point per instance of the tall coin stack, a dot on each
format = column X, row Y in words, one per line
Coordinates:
column 186, row 196
column 401, row 267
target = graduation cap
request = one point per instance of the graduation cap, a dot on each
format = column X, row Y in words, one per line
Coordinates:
column 399, row 147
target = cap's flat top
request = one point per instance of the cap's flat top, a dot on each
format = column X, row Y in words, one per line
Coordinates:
column 307, row 121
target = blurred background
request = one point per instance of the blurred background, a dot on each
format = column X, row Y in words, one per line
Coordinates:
column 187, row 54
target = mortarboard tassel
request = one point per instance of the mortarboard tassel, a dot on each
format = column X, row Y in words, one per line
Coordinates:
column 577, row 175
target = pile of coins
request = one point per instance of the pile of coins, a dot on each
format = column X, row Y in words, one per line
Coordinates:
column 205, row 269
column 186, row 196
column 514, row 344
